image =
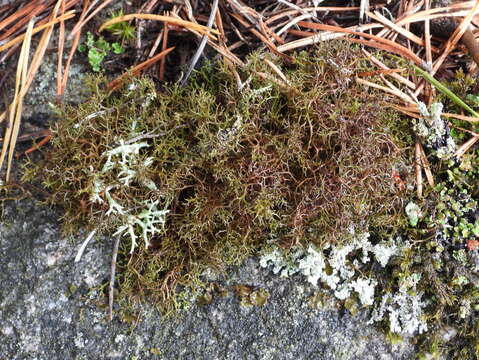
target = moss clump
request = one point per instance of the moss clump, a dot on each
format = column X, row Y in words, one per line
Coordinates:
column 202, row 176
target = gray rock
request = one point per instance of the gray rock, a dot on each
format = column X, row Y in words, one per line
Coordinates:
column 48, row 309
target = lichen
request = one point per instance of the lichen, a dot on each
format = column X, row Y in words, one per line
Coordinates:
column 404, row 309
column 339, row 267
column 430, row 280
column 434, row 130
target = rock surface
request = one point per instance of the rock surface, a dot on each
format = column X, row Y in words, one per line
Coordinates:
column 48, row 310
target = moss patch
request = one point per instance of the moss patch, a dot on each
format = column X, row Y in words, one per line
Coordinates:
column 199, row 177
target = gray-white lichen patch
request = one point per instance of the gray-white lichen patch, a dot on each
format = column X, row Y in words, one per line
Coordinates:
column 404, row 308
column 338, row 267
column 432, row 128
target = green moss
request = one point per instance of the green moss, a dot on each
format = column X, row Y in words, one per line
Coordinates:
column 203, row 176
column 449, row 263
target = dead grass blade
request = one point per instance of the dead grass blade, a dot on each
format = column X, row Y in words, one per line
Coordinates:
column 15, row 113
column 418, row 170
column 20, row 38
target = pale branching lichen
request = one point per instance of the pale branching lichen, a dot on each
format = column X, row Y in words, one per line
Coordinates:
column 147, row 221
column 122, row 162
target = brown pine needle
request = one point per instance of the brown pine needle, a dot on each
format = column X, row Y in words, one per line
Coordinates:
column 378, row 72
column 186, row 24
column 15, row 108
column 466, row 146
column 395, row 92
column 276, row 70
column 378, row 42
column 425, row 166
column 20, row 38
column 136, row 70
column 381, row 65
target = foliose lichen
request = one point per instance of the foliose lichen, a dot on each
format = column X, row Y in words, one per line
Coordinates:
column 342, row 269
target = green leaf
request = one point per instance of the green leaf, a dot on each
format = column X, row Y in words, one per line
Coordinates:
column 117, row 48
column 95, row 58
column 438, row 85
column 102, row 44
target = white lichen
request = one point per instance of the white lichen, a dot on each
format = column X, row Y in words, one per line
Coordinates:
column 384, row 252
column 125, row 159
column 147, row 221
column 433, row 129
column 365, row 287
column 280, row 264
column 336, row 266
column 122, row 164
column 413, row 212
column 114, row 208
column 404, row 309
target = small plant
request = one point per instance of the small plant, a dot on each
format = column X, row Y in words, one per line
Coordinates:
column 98, row 50
column 122, row 30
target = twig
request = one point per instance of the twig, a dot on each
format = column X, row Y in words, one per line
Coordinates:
column 83, row 246
column 203, row 42
column 112, row 276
